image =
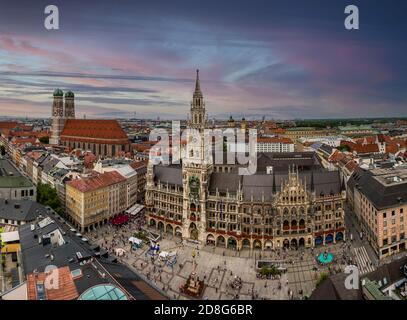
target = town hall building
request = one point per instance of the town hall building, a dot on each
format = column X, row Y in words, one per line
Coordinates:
column 291, row 201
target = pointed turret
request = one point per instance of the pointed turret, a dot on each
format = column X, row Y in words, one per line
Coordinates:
column 198, row 92
column 274, row 183
column 312, row 182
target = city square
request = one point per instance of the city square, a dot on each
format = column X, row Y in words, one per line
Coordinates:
column 219, row 267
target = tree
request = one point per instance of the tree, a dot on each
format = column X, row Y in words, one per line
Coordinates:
column 47, row 196
column 322, row 277
column 44, row 140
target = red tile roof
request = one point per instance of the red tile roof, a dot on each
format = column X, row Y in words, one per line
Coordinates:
column 361, row 148
column 351, row 166
column 65, row 289
column 274, row 140
column 138, row 164
column 95, row 129
column 336, row 156
column 96, row 182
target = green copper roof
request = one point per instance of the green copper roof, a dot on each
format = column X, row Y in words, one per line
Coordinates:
column 69, row 94
column 14, row 182
column 58, row 93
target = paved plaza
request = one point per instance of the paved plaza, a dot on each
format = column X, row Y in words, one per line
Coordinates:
column 220, row 267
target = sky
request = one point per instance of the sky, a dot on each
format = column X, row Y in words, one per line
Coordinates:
column 282, row 59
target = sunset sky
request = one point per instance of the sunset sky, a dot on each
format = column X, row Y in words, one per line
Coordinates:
column 282, row 59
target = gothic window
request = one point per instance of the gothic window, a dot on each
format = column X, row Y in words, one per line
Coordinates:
column 285, row 211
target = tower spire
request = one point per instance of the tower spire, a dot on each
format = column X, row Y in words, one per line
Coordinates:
column 198, row 92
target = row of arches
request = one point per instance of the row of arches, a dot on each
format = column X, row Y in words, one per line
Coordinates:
column 294, row 224
column 87, row 228
column 231, row 242
column 255, row 244
column 177, row 231
column 329, row 238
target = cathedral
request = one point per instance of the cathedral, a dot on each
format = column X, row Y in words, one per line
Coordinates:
column 291, row 201
column 104, row 138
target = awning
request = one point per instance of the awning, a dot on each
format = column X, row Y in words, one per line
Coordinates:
column 134, row 210
column 9, row 236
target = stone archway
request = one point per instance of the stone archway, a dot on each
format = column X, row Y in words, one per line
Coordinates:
column 257, row 245
column 286, row 243
column 268, row 244
column 210, row 240
column 339, row 236
column 329, row 238
column 319, row 241
column 178, row 232
column 169, row 229
column 301, row 242
column 153, row 223
column 294, row 243
column 246, row 244
column 220, row 242
column 232, row 243
column 160, row 226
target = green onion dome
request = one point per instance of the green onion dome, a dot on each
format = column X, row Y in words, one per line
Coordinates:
column 58, row 93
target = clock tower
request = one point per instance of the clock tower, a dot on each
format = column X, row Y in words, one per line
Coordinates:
column 196, row 169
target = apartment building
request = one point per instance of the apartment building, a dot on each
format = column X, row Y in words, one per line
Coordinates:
column 379, row 200
column 91, row 201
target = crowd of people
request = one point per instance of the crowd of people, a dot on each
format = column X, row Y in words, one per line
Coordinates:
column 114, row 237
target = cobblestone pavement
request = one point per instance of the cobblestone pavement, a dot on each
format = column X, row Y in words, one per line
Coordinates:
column 218, row 267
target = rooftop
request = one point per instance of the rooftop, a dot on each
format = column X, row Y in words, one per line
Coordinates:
column 96, row 182
column 95, row 129
column 80, row 263
column 20, row 210
column 384, row 187
column 10, row 177
column 65, row 290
